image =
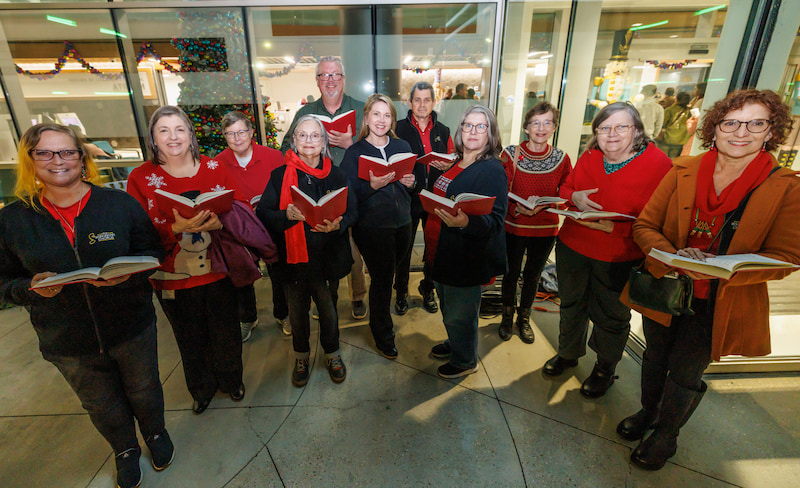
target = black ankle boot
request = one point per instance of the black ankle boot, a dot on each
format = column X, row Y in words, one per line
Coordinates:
column 677, row 406
column 601, row 379
column 633, row 428
column 507, row 323
column 524, row 325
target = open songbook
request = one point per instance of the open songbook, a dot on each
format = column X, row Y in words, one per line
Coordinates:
column 401, row 163
column 591, row 214
column 435, row 156
column 723, row 266
column 114, row 268
column 328, row 207
column 216, row 201
column 531, row 202
column 340, row 123
column 469, row 203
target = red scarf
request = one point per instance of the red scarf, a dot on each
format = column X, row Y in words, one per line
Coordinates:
column 712, row 204
column 296, row 250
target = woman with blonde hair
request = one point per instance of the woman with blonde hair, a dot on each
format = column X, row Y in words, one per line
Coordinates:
column 100, row 334
column 383, row 230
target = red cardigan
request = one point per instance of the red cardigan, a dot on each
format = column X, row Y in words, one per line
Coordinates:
column 625, row 191
column 252, row 179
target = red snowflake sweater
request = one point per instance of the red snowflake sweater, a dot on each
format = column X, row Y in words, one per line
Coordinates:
column 534, row 174
column 187, row 264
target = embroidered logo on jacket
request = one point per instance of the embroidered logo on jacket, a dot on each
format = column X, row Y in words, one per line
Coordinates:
column 101, row 237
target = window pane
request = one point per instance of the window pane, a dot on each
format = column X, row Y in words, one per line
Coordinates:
column 449, row 46
column 532, row 62
column 288, row 43
column 195, row 59
column 69, row 71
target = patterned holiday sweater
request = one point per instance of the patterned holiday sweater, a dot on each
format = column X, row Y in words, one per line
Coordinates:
column 539, row 174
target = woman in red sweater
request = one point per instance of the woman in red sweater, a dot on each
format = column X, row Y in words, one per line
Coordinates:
column 534, row 169
column 618, row 172
column 200, row 304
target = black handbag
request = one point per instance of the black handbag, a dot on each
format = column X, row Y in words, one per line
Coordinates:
column 670, row 294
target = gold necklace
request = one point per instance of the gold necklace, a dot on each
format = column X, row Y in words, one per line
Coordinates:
column 63, row 219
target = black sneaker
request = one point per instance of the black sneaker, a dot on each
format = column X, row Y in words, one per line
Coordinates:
column 161, row 450
column 428, row 300
column 300, row 373
column 359, row 310
column 449, row 371
column 441, row 351
column 238, row 394
column 336, row 369
column 401, row 305
column 388, row 352
column 129, row 474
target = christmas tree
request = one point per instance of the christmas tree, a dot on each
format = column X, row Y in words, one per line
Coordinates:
column 214, row 84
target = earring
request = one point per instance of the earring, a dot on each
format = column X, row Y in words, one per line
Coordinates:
column 83, row 172
column 713, row 144
column 764, row 147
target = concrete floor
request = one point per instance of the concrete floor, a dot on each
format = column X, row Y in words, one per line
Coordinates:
column 395, row 423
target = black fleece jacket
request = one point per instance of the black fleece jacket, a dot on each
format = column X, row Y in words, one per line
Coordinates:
column 388, row 207
column 82, row 318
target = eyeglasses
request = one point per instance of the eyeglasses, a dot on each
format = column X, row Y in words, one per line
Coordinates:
column 479, row 128
column 755, row 126
column 238, row 133
column 547, row 124
column 64, row 154
column 619, row 129
column 313, row 137
column 330, row 76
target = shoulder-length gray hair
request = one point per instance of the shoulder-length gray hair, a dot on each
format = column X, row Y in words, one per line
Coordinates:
column 166, row 111
column 493, row 146
column 326, row 151
column 640, row 139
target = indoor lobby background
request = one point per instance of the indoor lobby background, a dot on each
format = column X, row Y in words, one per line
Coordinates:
column 105, row 66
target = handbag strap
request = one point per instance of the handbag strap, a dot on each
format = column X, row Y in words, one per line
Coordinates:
column 728, row 227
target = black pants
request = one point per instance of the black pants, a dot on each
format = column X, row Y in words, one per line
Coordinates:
column 538, row 249
column 382, row 249
column 280, row 306
column 682, row 351
column 300, row 292
column 404, row 264
column 590, row 289
column 246, row 298
column 117, row 387
column 205, row 322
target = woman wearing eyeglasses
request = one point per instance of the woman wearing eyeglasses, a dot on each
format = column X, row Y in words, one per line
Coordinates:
column 618, row 172
column 312, row 259
column 534, row 169
column 101, row 335
column 249, row 165
column 736, row 181
column 467, row 251
column 383, row 230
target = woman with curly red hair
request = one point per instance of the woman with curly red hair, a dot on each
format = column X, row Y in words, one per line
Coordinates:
column 732, row 199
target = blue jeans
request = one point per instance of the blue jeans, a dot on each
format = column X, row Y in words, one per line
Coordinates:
column 460, row 308
column 117, row 386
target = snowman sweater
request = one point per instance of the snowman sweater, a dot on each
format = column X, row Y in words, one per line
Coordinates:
column 188, row 263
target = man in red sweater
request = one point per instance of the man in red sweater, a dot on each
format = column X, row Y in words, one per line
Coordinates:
column 250, row 165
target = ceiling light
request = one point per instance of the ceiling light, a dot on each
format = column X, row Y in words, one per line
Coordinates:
column 59, row 20
column 709, row 9
column 656, row 24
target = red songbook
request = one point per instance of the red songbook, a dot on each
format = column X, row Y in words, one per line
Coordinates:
column 329, row 207
column 434, row 156
column 469, row 203
column 218, row 202
column 402, row 164
column 340, row 123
